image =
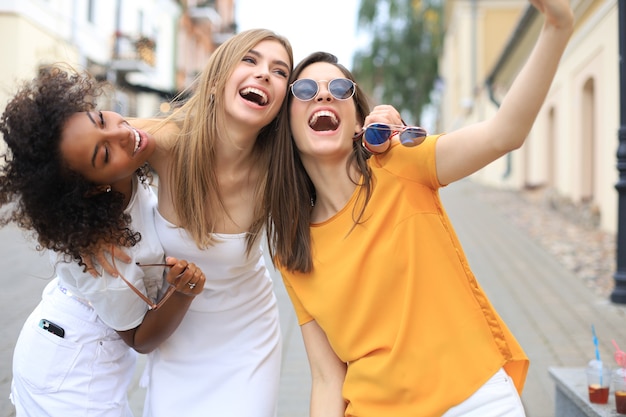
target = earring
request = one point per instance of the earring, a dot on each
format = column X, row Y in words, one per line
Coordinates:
column 98, row 189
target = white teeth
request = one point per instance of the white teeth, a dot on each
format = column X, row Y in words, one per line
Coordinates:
column 322, row 113
column 137, row 140
column 256, row 91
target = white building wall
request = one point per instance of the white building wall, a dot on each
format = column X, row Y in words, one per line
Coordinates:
column 557, row 154
column 41, row 32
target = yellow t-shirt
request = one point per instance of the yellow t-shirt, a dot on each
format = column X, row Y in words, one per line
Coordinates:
column 398, row 301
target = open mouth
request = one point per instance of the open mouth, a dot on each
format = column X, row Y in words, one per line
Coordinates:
column 137, row 140
column 323, row 120
column 254, row 95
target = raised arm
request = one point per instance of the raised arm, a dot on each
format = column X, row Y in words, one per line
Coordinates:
column 464, row 151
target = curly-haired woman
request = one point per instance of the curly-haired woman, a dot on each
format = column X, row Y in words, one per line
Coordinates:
column 76, row 178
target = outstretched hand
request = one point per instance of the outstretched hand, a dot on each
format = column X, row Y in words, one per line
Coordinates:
column 557, row 13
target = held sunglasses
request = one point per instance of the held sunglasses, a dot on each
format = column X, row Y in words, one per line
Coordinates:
column 379, row 133
column 151, row 304
column 305, row 89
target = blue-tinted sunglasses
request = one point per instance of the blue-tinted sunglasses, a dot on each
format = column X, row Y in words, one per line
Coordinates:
column 306, row 89
column 379, row 133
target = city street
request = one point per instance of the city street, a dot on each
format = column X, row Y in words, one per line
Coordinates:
column 548, row 308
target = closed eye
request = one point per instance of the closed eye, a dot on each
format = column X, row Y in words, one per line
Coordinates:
column 249, row 59
column 282, row 72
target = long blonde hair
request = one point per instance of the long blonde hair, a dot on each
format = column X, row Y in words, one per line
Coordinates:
column 193, row 179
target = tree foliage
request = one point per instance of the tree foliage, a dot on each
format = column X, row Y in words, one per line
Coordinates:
column 399, row 66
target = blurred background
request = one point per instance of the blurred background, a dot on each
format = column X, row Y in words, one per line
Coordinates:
column 443, row 63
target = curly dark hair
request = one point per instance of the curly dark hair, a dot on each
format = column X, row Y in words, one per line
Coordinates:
column 38, row 191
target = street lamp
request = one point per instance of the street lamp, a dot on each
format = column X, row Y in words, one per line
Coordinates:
column 619, row 291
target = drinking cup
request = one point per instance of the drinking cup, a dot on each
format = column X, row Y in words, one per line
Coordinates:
column 598, row 382
column 619, row 388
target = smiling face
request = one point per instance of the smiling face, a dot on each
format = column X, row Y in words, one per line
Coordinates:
column 103, row 147
column 323, row 125
column 257, row 87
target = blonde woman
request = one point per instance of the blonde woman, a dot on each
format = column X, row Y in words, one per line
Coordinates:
column 224, row 358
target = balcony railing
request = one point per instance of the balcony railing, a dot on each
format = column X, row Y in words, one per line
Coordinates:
column 133, row 53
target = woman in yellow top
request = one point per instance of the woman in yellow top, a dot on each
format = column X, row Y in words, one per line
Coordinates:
column 393, row 320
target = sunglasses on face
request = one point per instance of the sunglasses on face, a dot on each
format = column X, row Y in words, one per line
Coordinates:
column 151, row 304
column 379, row 133
column 306, row 89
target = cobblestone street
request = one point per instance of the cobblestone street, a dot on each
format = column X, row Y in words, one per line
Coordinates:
column 584, row 250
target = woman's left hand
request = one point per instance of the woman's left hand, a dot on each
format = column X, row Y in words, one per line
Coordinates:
column 186, row 277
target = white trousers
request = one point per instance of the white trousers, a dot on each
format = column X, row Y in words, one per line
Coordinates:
column 86, row 373
column 497, row 398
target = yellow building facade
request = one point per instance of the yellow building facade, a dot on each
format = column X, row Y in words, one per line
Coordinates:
column 570, row 153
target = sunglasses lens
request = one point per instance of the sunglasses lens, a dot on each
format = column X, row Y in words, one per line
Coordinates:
column 377, row 133
column 341, row 88
column 304, row 89
column 412, row 136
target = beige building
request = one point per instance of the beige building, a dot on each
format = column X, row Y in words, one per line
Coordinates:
column 149, row 49
column 570, row 153
column 203, row 27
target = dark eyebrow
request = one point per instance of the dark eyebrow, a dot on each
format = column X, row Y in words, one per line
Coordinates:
column 283, row 63
column 95, row 151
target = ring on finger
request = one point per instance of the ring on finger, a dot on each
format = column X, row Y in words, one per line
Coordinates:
column 191, row 285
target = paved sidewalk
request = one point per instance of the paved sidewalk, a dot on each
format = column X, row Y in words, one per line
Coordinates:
column 24, row 274
column 547, row 308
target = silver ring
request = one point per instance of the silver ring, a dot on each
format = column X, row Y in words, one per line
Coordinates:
column 191, row 285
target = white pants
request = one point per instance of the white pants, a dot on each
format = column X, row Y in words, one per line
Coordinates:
column 86, row 373
column 497, row 398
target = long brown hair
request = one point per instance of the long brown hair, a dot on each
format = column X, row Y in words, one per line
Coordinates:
column 193, row 178
column 290, row 192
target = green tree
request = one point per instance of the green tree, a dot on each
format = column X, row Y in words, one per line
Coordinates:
column 399, row 66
